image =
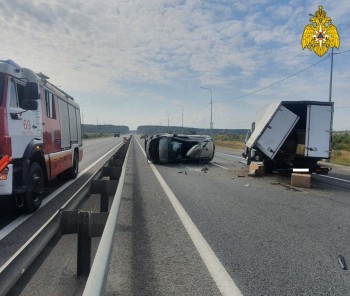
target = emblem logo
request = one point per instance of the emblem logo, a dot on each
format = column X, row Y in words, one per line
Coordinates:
column 321, row 34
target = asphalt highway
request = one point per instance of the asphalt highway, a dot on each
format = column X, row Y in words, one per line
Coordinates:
column 272, row 239
column 210, row 229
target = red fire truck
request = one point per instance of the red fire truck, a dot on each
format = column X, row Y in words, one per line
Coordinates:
column 40, row 135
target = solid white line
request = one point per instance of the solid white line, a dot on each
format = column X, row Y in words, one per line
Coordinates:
column 13, row 225
column 330, row 177
column 218, row 272
column 143, row 151
column 239, row 157
column 220, row 166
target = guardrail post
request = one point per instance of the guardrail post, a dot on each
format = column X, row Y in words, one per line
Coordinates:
column 113, row 172
column 104, row 196
column 86, row 225
column 105, row 188
column 84, row 244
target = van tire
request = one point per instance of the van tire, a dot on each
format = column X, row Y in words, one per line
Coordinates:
column 34, row 188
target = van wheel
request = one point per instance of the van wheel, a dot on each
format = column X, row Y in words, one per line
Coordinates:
column 34, row 189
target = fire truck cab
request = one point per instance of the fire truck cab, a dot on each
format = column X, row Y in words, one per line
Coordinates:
column 40, row 131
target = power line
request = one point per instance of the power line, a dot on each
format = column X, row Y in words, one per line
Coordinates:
column 282, row 80
column 277, row 82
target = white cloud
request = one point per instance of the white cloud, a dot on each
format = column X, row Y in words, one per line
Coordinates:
column 141, row 54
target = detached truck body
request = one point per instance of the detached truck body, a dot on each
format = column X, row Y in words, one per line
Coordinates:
column 40, row 132
column 291, row 134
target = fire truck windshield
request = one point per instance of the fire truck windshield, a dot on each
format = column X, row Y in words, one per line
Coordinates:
column 1, row 88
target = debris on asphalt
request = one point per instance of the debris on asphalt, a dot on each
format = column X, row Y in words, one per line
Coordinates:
column 182, row 172
column 205, row 169
column 342, row 262
column 253, row 173
column 241, row 176
column 246, row 185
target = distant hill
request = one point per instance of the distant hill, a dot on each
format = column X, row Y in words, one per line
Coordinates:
column 105, row 129
column 157, row 129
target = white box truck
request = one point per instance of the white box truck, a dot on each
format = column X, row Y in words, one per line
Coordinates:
column 291, row 134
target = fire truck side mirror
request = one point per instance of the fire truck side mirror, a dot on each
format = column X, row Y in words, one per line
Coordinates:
column 32, row 91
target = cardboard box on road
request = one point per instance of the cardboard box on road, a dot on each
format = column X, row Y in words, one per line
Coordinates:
column 301, row 180
column 256, row 168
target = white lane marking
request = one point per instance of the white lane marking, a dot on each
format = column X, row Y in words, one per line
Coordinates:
column 220, row 166
column 239, row 157
column 13, row 225
column 218, row 272
column 143, row 151
column 330, row 177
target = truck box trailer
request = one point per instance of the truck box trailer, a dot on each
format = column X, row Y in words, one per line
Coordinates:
column 291, row 134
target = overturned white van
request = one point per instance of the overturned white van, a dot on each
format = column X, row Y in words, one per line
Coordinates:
column 291, row 134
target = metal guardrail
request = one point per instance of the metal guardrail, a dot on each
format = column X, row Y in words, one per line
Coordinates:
column 21, row 261
column 98, row 274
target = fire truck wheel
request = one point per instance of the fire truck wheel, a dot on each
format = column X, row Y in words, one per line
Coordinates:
column 74, row 170
column 35, row 188
column 75, row 166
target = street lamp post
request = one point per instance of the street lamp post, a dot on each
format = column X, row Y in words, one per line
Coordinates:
column 331, row 78
column 211, row 108
column 168, row 123
column 182, row 117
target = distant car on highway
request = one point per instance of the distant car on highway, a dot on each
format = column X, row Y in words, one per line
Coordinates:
column 172, row 148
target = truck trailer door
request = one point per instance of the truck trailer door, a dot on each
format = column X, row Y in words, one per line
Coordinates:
column 318, row 131
column 276, row 131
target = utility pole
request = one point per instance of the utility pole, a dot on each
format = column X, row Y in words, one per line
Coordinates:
column 331, row 77
column 211, row 108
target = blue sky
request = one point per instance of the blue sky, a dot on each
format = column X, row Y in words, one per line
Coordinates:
column 144, row 61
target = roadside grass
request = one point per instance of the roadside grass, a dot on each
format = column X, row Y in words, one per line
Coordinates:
column 230, row 141
column 340, row 157
column 230, row 144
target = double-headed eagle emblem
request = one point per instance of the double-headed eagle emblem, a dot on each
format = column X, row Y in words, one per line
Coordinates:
column 321, row 34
